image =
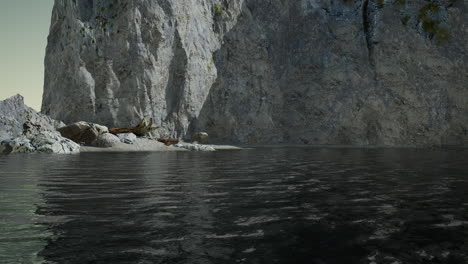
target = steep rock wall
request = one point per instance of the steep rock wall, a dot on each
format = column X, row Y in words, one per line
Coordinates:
column 370, row 72
column 112, row 62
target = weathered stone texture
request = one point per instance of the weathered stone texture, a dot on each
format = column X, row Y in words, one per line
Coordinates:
column 356, row 72
column 18, row 119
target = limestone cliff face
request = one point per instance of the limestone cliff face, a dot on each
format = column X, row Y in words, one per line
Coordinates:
column 370, row 72
column 112, row 61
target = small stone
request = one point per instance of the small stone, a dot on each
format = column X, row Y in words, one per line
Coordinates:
column 127, row 138
column 200, row 137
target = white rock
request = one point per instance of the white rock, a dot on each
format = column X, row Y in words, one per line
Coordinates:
column 194, row 147
column 45, row 141
column 21, row 145
column 106, row 140
column 100, row 128
column 127, row 138
column 52, row 142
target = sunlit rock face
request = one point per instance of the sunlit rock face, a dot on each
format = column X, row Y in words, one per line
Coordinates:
column 12, row 117
column 17, row 119
column 370, row 72
column 112, row 62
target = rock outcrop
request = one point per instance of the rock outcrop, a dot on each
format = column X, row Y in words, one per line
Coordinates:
column 18, row 119
column 35, row 122
column 370, row 72
column 12, row 117
column 42, row 142
column 106, row 140
column 23, row 130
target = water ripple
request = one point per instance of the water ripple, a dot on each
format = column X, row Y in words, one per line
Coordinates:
column 282, row 205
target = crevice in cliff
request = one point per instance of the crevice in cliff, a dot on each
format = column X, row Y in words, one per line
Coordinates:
column 85, row 8
column 176, row 83
column 367, row 26
column 167, row 7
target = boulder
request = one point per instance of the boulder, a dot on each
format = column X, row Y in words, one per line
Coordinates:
column 200, row 137
column 194, row 147
column 106, row 140
column 127, row 138
column 83, row 132
column 53, row 142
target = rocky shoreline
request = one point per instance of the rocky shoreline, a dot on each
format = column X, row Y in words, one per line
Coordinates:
column 23, row 130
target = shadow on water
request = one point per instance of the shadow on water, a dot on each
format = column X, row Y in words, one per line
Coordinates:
column 109, row 204
column 94, row 197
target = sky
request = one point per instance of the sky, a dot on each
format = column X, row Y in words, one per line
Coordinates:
column 24, row 26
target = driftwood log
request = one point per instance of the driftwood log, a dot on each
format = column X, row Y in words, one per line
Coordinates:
column 168, row 141
column 142, row 129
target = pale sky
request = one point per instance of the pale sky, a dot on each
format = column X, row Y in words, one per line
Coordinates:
column 24, row 26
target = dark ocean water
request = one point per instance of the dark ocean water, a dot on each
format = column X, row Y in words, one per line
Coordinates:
column 271, row 205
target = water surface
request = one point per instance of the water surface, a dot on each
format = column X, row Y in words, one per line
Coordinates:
column 270, row 205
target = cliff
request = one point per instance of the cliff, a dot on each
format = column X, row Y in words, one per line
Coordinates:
column 370, row 72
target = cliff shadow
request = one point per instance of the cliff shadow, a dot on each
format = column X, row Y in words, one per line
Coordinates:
column 245, row 102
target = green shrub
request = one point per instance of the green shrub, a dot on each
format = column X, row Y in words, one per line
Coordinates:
column 380, row 3
column 218, row 10
column 431, row 26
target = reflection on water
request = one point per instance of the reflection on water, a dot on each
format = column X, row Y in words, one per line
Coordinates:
column 279, row 205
